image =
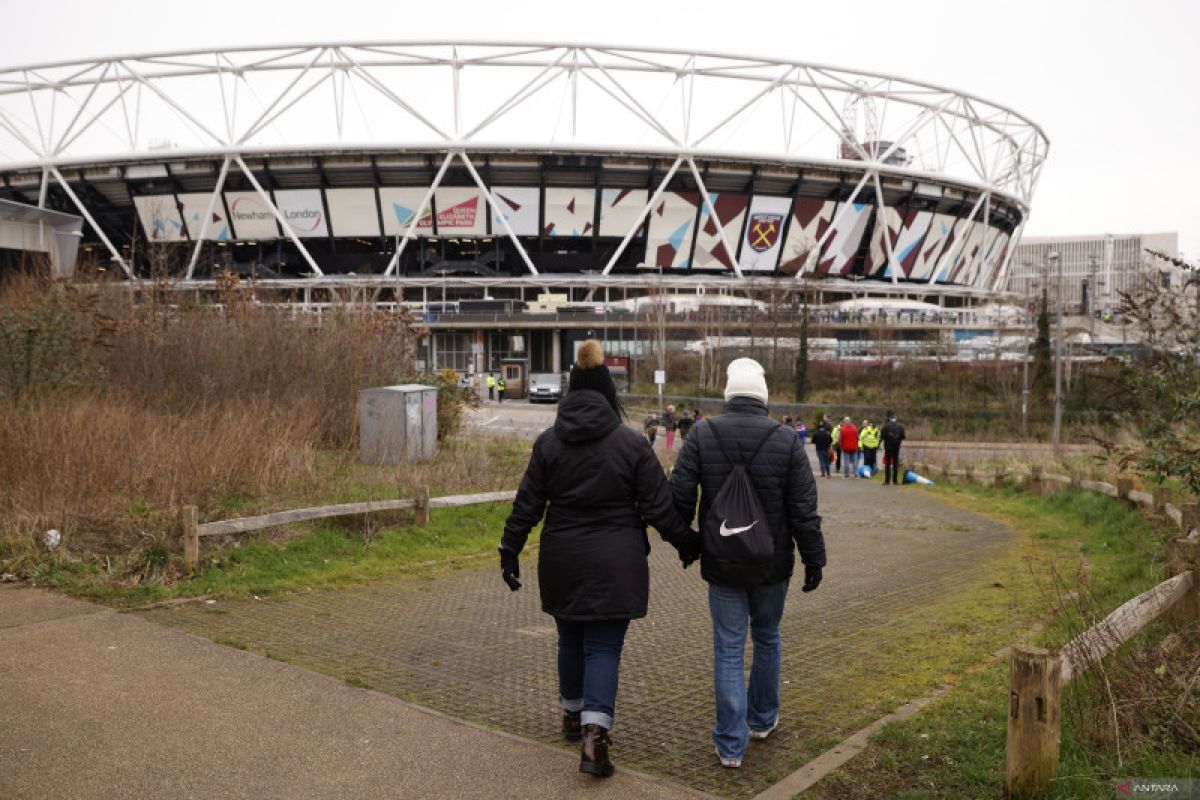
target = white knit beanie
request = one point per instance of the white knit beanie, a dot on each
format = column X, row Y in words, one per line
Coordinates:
column 745, row 380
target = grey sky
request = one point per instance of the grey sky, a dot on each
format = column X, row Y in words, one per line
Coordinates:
column 1113, row 84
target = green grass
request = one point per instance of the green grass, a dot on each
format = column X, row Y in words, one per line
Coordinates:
column 954, row 748
column 330, row 553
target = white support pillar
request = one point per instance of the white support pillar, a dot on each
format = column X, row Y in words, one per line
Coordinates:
column 814, row 257
column 412, row 224
column 212, row 202
column 887, row 239
column 86, row 215
column 556, row 350
column 278, row 216
column 637, row 223
column 712, row 210
column 495, row 209
column 957, row 246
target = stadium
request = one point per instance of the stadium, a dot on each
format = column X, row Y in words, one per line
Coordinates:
column 497, row 173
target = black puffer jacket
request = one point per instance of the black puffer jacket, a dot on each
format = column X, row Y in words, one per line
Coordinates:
column 603, row 484
column 780, row 473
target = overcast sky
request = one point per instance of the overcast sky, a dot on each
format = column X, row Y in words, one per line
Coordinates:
column 1114, row 84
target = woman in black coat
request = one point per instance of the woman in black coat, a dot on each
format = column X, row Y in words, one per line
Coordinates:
column 603, row 484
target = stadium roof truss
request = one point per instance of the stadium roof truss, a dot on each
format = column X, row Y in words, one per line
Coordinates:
column 464, row 98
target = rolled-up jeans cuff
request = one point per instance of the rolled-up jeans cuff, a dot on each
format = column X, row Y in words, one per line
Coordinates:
column 571, row 705
column 597, row 718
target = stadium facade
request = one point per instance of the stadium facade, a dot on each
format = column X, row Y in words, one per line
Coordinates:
column 386, row 164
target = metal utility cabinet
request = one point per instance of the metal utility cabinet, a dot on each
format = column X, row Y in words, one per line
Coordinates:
column 397, row 424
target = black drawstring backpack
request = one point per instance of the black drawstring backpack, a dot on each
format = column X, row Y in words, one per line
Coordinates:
column 735, row 530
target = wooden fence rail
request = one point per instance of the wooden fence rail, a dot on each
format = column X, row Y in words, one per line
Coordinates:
column 191, row 530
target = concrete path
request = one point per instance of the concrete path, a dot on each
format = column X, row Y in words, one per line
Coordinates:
column 98, row 704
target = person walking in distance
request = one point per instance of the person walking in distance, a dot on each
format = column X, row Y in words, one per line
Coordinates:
column 669, row 425
column 822, row 441
column 650, row 426
column 491, row 384
column 685, row 424
column 869, row 439
column 892, row 435
column 837, row 447
column 598, row 484
column 500, row 390
column 758, row 506
column 848, row 436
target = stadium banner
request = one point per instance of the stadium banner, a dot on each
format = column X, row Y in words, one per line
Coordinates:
column 303, row 210
column 810, row 220
column 955, row 259
column 941, row 231
column 520, row 205
column 672, row 226
column 461, row 211
column 887, row 224
column 987, row 239
column 399, row 204
column 842, row 245
column 160, row 217
column 763, row 240
column 619, row 209
column 569, row 212
column 352, row 212
column 710, row 247
column 195, row 206
column 252, row 218
column 908, row 242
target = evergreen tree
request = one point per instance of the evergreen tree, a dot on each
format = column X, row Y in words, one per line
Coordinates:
column 802, row 357
column 1043, row 372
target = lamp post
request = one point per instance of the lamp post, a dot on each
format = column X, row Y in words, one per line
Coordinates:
column 1025, row 356
column 1058, row 351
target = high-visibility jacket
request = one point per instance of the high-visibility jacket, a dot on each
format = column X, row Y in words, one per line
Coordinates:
column 500, row 385
column 869, row 438
column 491, row 384
column 837, row 436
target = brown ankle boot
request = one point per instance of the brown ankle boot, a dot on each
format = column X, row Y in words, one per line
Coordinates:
column 594, row 759
column 571, row 727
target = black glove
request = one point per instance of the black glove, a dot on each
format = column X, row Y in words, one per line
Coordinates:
column 689, row 548
column 510, row 568
column 812, row 578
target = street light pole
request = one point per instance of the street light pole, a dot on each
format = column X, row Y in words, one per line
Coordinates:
column 1058, row 357
column 1025, row 357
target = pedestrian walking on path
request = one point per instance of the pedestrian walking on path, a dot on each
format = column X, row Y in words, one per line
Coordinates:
column 500, row 390
column 744, row 593
column 650, row 427
column 685, row 424
column 869, row 439
column 603, row 485
column 491, row 384
column 848, row 441
column 822, row 440
column 669, row 424
column 893, row 436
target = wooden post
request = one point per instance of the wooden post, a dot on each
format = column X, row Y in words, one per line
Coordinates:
column 422, row 507
column 189, row 528
column 1034, row 481
column 1184, row 555
column 945, row 473
column 1124, row 487
column 1034, row 720
column 1191, row 518
column 1162, row 496
column 998, row 478
column 970, row 476
column 1076, row 478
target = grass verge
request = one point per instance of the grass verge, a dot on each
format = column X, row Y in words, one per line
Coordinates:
column 1105, row 553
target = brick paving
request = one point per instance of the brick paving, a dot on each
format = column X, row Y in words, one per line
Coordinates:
column 459, row 642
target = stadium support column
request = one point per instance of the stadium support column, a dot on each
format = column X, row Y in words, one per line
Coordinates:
column 556, row 350
column 283, row 223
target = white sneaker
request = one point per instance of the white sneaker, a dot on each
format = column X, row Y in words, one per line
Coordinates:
column 764, row 734
column 730, row 763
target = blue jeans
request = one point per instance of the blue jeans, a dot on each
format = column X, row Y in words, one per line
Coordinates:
column 849, row 463
column 733, row 609
column 823, row 459
column 589, row 656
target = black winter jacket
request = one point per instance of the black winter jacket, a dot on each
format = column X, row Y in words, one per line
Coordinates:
column 893, row 435
column 599, row 484
column 780, row 473
column 822, row 439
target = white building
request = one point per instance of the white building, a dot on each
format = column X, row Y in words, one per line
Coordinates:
column 1095, row 269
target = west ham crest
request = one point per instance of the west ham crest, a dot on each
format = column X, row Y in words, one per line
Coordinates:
column 764, row 231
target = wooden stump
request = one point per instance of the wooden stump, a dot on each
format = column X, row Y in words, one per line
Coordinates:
column 1162, row 496
column 1034, row 481
column 970, row 474
column 1124, row 487
column 189, row 529
column 1076, row 478
column 422, row 507
column 1184, row 555
column 945, row 473
column 1034, row 720
column 998, row 478
column 1191, row 519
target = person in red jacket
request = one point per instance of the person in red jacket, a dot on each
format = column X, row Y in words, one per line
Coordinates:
column 849, row 444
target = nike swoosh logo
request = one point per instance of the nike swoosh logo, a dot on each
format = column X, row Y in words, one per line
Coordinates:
column 731, row 531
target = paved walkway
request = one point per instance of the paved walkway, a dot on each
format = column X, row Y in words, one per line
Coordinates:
column 459, row 642
column 98, row 704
